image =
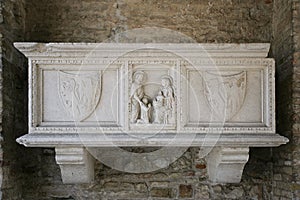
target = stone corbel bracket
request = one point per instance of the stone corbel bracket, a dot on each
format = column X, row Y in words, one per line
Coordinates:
column 225, row 161
column 226, row 164
column 76, row 164
column 101, row 116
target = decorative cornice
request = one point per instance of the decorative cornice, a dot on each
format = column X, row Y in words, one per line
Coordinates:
column 181, row 139
column 32, row 49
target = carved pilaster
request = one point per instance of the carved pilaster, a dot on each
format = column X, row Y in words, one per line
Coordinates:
column 226, row 164
column 76, row 165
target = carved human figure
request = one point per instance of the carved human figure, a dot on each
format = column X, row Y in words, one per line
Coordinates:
column 158, row 104
column 168, row 93
column 136, row 95
column 145, row 111
column 164, row 103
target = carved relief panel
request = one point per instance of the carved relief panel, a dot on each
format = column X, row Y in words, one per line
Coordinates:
column 78, row 97
column 152, row 96
column 80, row 93
column 152, row 89
column 220, row 97
column 159, row 94
column 230, row 96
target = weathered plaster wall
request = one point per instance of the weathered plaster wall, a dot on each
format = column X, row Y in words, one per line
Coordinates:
column 96, row 21
column 13, row 102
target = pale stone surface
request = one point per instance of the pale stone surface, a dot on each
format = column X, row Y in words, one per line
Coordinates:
column 76, row 165
column 219, row 96
column 91, row 87
column 226, row 165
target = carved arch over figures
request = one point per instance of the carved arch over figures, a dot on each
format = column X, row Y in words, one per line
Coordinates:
column 220, row 97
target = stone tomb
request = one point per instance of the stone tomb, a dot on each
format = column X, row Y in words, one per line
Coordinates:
column 220, row 97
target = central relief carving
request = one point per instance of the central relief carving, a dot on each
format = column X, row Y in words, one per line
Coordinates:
column 146, row 110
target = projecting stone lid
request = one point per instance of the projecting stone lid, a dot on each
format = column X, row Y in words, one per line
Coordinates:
column 251, row 50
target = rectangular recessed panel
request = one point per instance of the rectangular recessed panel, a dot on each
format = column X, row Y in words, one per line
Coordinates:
column 87, row 97
column 234, row 97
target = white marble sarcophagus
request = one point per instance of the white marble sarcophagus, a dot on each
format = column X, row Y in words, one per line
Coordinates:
column 219, row 97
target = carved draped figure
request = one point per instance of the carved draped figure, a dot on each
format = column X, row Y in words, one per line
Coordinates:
column 136, row 94
column 168, row 93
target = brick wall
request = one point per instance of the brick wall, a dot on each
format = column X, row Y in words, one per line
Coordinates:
column 95, row 21
column 28, row 173
column 284, row 48
column 13, row 97
column 296, row 100
column 184, row 179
